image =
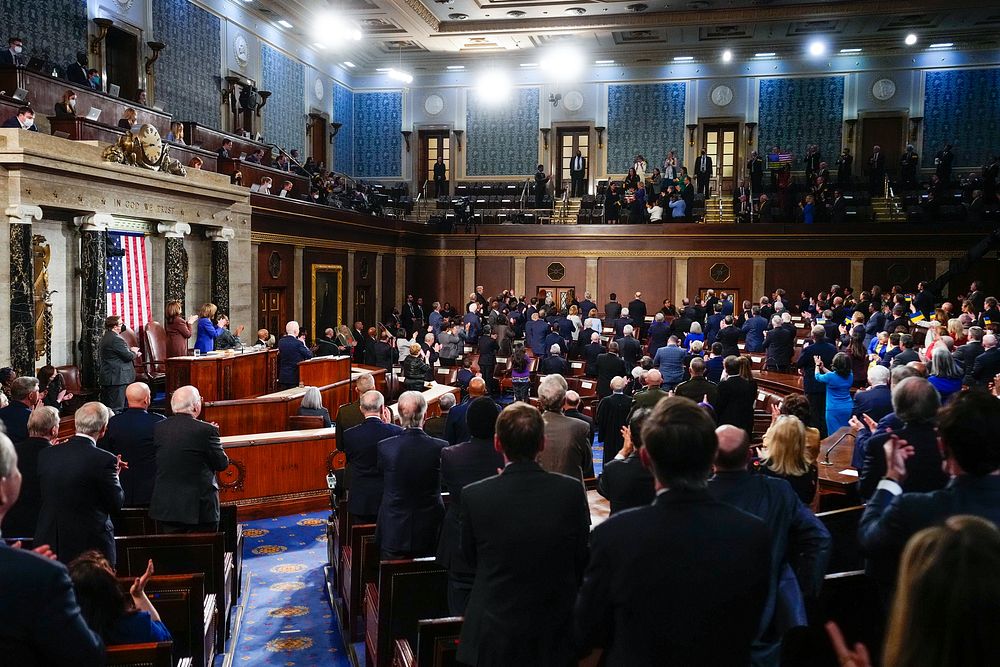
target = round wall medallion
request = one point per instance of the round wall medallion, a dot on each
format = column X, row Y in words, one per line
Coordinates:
column 434, row 104
column 898, row 274
column 883, row 89
column 556, row 271
column 573, row 100
column 274, row 264
column 125, row 4
column 721, row 95
column 241, row 50
column 720, row 272
column 319, row 90
column 233, row 476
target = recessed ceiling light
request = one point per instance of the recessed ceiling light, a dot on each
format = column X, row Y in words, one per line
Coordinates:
column 319, row 45
column 284, row 24
column 817, row 47
column 349, row 64
column 458, row 16
column 942, row 45
column 515, row 13
column 604, row 62
column 850, row 50
column 400, row 75
column 455, row 67
column 683, row 59
column 381, row 69
column 727, row 56
column 765, row 54
column 911, row 39
column 575, row 11
column 529, row 64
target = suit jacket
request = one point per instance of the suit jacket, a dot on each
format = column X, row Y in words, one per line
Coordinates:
column 349, row 415
column 178, row 334
column 923, row 468
column 986, row 366
column 697, row 388
column 578, row 165
column 637, row 311
column 890, row 520
column 876, row 402
column 591, row 351
column 703, row 169
column 525, row 533
column 80, row 490
column 410, row 517
column 608, row 366
column 576, row 414
column 456, row 429
column 291, row 351
column 630, row 350
column 659, row 332
column 735, row 403
column 131, row 435
column 462, row 465
column 711, row 594
column 116, row 360
column 21, row 518
column 553, row 364
column 360, row 444
column 612, row 414
column 825, row 351
column 188, row 454
column 903, row 358
column 626, row 483
column 566, row 448
column 41, row 623
column 966, row 356
column 612, row 310
column 730, row 339
column 15, row 420
column 12, row 122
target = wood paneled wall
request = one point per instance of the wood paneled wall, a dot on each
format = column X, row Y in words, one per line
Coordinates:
column 536, row 273
column 311, row 257
column 887, row 271
column 654, row 277
column 699, row 276
column 814, row 275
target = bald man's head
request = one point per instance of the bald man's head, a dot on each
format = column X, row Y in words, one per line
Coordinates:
column 653, row 378
column 138, row 396
column 477, row 387
column 572, row 400
column 365, row 382
column 734, row 448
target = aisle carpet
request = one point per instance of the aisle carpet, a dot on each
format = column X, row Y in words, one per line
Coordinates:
column 287, row 619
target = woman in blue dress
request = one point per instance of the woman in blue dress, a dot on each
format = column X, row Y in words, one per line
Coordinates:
column 695, row 333
column 809, row 210
column 208, row 330
column 838, row 381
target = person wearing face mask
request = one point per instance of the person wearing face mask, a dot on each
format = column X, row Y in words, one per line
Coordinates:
column 24, row 120
column 67, row 107
column 77, row 71
column 14, row 55
column 94, row 79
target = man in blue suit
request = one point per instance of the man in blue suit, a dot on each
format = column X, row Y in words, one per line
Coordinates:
column 753, row 329
column 130, row 435
column 409, row 520
column 40, row 620
column 456, row 429
column 659, row 332
column 24, row 120
column 23, row 395
column 534, row 332
column 815, row 390
column 291, row 350
column 360, row 444
column 876, row 400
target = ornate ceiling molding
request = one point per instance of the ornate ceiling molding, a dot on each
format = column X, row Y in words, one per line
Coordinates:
column 425, row 14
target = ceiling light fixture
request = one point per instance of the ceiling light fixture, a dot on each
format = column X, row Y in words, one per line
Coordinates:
column 765, row 54
column 727, row 56
column 817, row 47
column 850, row 50
column 911, row 39
column 320, row 46
column 563, row 63
column 284, row 24
column 683, row 59
column 399, row 75
column 455, row 67
column 529, row 65
column 381, row 69
column 349, row 64
column 604, row 62
column 493, row 86
column 942, row 45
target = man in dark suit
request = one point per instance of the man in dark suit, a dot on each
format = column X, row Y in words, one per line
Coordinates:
column 795, row 531
column 698, row 388
column 130, row 435
column 80, row 490
column 554, row 363
column 488, row 348
column 525, row 533
column 815, row 390
column 440, row 178
column 225, row 151
column 629, row 347
column 578, row 175
column 360, row 444
column 77, row 71
column 876, row 172
column 736, row 398
column 326, row 345
column 612, row 309
column 987, row 364
column 876, row 400
column 409, row 519
column 753, row 329
column 891, row 516
column 461, row 465
column 965, row 355
column 456, row 428
column 586, row 306
column 907, row 352
column 188, row 455
column 612, row 415
column 360, row 335
column 117, row 368
column 40, row 620
column 623, row 320
column 637, row 311
column 755, row 165
column 765, row 210
column 14, row 55
column 571, row 408
column 711, row 594
column 609, row 365
column 23, row 120
column 349, row 414
column 659, row 332
column 291, row 350
column 838, row 212
column 591, row 352
column 23, row 397
column 435, row 426
column 908, row 165
column 703, row 172
column 567, row 449
column 43, row 429
column 942, row 164
column 625, row 481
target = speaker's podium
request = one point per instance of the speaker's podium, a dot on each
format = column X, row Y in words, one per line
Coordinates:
column 225, row 375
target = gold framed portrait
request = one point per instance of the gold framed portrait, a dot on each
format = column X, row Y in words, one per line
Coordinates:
column 327, row 297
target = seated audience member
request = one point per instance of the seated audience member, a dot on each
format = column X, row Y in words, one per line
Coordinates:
column 130, row 436
column 40, row 622
column 915, row 404
column 94, row 78
column 944, row 374
column 118, row 618
column 286, row 189
column 698, row 389
column 43, row 429
column 80, row 490
column 228, row 340
column 893, row 515
column 52, row 387
column 264, row 187
column 625, row 481
column 785, row 456
column 435, row 425
column 129, row 119
column 553, row 363
column 737, row 397
column 360, row 444
column 711, row 594
column 257, row 157
column 176, row 133
column 566, row 448
column 196, row 163
column 461, row 465
column 521, row 605
column 225, row 151
column 800, row 543
column 66, row 107
column 409, row 519
column 612, row 417
column 23, row 120
column 312, row 406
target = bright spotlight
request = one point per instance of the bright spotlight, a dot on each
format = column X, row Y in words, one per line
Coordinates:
column 911, row 39
column 564, row 63
column 817, row 48
column 399, row 75
column 330, row 28
column 493, row 86
column 727, row 56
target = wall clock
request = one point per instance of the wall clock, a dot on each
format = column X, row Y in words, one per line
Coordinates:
column 721, row 95
column 883, row 89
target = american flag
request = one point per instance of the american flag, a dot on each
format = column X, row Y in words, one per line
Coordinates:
column 128, row 280
column 777, row 160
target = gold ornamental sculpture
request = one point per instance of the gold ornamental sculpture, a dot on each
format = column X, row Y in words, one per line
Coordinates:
column 144, row 149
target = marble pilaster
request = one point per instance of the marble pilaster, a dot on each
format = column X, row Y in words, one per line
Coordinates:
column 175, row 262
column 220, row 266
column 22, row 285
column 94, row 291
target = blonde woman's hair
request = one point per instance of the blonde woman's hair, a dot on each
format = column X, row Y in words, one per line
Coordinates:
column 786, row 446
column 208, row 310
column 695, row 328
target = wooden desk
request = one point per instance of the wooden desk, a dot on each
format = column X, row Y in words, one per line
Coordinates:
column 320, row 371
column 225, row 376
column 782, row 384
column 210, row 139
column 832, row 477
column 433, row 395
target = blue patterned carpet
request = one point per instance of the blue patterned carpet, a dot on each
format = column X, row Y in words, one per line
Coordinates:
column 287, row 619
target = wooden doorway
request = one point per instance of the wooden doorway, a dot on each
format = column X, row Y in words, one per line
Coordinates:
column 569, row 140
column 272, row 311
column 318, row 138
column 889, row 134
column 433, row 144
column 721, row 143
column 364, row 306
column 561, row 294
column 122, row 63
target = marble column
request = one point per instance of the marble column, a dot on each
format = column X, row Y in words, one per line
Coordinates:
column 175, row 263
column 22, row 289
column 94, row 292
column 220, row 266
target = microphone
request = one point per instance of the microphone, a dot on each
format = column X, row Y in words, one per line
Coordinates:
column 826, row 458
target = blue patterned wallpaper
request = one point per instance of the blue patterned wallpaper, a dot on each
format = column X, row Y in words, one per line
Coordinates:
column 961, row 108
column 502, row 140
column 646, row 119
column 343, row 113
column 796, row 112
column 187, row 73
column 284, row 115
column 53, row 30
column 378, row 118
